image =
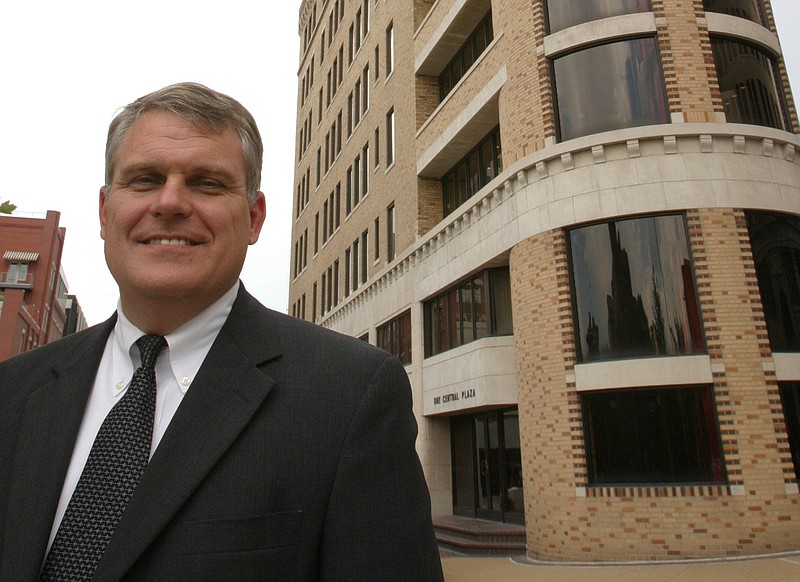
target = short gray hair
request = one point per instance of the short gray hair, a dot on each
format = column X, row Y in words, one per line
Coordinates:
column 205, row 108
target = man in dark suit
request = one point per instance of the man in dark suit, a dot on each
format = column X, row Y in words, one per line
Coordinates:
column 280, row 451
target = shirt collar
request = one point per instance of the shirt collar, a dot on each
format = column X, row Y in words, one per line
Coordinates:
column 187, row 346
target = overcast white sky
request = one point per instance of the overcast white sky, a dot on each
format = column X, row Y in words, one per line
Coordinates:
column 67, row 67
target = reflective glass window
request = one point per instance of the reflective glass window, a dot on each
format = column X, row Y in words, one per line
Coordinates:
column 609, row 87
column 634, row 290
column 652, row 436
column 471, row 310
column 472, row 172
column 775, row 242
column 394, row 336
column 749, row 9
column 565, row 13
column 748, row 82
column 790, row 398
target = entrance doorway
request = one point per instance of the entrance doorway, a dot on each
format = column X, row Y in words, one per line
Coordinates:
column 487, row 466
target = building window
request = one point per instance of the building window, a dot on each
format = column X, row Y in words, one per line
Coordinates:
column 473, row 171
column 652, row 436
column 389, row 49
column 390, row 137
column 365, row 169
column 634, row 291
column 749, row 9
column 790, row 398
column 608, row 87
column 775, row 241
column 466, row 56
column 566, row 13
column 364, row 255
column 355, row 256
column 395, row 337
column 391, row 232
column 377, row 236
column 17, row 273
column 748, row 81
column 473, row 309
column 347, row 272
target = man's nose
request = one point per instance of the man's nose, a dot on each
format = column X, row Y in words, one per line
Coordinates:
column 173, row 198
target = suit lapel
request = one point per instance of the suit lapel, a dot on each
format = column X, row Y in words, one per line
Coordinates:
column 52, row 417
column 227, row 392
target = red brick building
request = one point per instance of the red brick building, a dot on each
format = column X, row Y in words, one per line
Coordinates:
column 34, row 294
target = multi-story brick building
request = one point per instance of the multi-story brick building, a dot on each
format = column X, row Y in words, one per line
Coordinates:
column 34, row 291
column 578, row 225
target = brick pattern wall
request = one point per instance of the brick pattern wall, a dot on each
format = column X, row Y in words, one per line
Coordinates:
column 689, row 73
column 568, row 520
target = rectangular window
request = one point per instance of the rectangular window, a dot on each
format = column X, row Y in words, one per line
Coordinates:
column 347, row 272
column 348, row 201
column 377, row 239
column 567, row 13
column 790, row 398
column 336, row 282
column 394, row 336
column 365, row 169
column 391, row 230
column 355, row 264
column 471, row 310
column 775, row 241
column 364, row 255
column 319, row 165
column 466, row 56
column 377, row 146
column 365, row 90
column 633, row 94
column 314, row 303
column 634, row 290
column 316, row 233
column 652, row 436
column 390, row 137
column 483, row 163
column 389, row 49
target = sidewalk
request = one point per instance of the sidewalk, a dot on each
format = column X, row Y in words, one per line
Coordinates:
column 783, row 567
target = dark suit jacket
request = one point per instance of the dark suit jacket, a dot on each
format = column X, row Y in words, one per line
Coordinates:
column 291, row 457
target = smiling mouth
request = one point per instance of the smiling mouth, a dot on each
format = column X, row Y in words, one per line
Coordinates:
column 171, row 242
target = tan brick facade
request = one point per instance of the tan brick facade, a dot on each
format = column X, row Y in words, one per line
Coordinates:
column 693, row 165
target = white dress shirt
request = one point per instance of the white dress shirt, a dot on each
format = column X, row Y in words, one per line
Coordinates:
column 176, row 367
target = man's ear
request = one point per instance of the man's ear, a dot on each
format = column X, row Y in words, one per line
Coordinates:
column 102, row 203
column 258, row 213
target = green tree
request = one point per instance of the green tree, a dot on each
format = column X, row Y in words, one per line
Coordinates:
column 7, row 207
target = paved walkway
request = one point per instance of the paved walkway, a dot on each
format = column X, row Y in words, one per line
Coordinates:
column 778, row 568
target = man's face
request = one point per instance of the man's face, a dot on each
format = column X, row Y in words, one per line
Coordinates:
column 175, row 219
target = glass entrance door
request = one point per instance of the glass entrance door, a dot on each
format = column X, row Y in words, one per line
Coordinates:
column 487, row 466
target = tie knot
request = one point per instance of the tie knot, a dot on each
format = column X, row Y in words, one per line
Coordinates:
column 149, row 348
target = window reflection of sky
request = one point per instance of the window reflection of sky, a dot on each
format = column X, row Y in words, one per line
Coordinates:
column 656, row 251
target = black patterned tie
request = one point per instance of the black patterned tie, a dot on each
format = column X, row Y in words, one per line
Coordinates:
column 115, row 464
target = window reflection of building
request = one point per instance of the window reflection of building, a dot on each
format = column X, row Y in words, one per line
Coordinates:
column 460, row 316
column 394, row 336
column 750, row 9
column 747, row 81
column 634, row 289
column 565, row 13
column 610, row 87
column 775, row 240
column 473, row 171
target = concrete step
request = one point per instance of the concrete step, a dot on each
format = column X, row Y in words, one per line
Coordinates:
column 476, row 537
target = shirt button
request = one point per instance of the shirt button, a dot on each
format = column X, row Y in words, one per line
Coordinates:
column 119, row 385
column 185, row 381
